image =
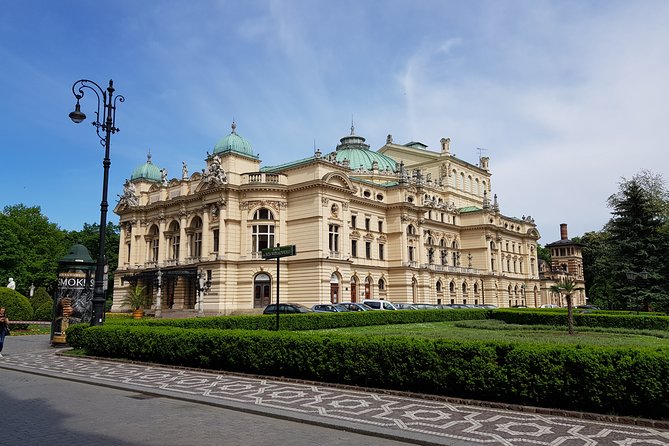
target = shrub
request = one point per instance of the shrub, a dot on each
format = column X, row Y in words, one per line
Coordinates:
column 44, row 312
column 17, row 305
column 39, row 298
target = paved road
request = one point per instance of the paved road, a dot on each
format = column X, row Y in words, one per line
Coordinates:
column 85, row 401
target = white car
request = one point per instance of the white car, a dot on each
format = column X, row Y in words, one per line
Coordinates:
column 379, row 304
column 549, row 306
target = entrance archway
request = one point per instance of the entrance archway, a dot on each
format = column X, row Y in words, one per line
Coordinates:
column 354, row 289
column 262, row 290
column 334, row 288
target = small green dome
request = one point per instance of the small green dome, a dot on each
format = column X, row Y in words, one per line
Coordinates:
column 234, row 143
column 147, row 171
column 354, row 149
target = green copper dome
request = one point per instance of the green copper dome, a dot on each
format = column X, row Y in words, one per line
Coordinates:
column 354, row 149
column 234, row 143
column 147, row 171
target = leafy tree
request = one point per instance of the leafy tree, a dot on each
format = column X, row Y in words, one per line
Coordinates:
column 30, row 247
column 638, row 242
column 596, row 267
column 544, row 253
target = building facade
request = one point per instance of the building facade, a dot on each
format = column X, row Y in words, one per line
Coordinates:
column 402, row 223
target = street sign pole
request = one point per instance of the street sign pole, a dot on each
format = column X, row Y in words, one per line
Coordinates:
column 276, row 253
column 278, row 282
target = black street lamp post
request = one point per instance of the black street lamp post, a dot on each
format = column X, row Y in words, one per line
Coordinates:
column 106, row 123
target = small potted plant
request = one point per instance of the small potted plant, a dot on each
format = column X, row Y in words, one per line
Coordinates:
column 135, row 300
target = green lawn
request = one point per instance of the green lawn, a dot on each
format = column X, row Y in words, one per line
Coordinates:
column 485, row 330
column 32, row 330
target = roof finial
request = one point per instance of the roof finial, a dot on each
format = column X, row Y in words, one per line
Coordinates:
column 148, row 157
column 352, row 126
column 234, row 126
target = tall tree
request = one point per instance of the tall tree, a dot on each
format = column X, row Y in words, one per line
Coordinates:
column 596, row 268
column 30, row 247
column 639, row 242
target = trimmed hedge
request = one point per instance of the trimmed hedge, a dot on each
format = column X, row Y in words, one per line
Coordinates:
column 584, row 378
column 593, row 319
column 313, row 321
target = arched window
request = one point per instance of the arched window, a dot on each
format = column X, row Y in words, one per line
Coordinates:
column 451, row 287
column 382, row 285
column 455, row 254
column 262, row 290
column 263, row 214
column 411, row 230
column 439, row 286
column 368, row 287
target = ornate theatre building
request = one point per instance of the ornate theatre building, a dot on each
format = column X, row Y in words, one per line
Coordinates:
column 403, row 223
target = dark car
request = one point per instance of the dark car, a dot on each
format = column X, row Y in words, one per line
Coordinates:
column 588, row 307
column 329, row 308
column 286, row 308
column 425, row 306
column 405, row 306
column 355, row 306
column 457, row 306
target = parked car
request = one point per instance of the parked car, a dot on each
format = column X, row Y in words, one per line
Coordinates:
column 405, row 306
column 549, row 306
column 487, row 306
column 286, row 308
column 355, row 306
column 457, row 306
column 379, row 304
column 519, row 306
column 425, row 306
column 588, row 307
column 329, row 308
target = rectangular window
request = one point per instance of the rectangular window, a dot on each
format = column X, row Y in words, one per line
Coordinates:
column 368, row 250
column 368, row 222
column 197, row 244
column 333, row 241
column 263, row 237
column 411, row 254
column 354, row 221
column 354, row 248
column 380, row 226
column 381, row 251
column 128, row 252
column 175, row 246
column 215, row 247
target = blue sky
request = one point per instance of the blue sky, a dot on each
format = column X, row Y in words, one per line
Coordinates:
column 566, row 96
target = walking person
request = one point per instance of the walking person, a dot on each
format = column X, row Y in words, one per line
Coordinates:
column 4, row 327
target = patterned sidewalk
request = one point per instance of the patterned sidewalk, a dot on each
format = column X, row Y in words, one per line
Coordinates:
column 408, row 419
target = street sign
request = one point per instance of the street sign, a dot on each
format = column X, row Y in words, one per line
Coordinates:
column 278, row 251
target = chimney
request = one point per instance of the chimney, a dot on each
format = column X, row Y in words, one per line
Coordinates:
column 563, row 231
